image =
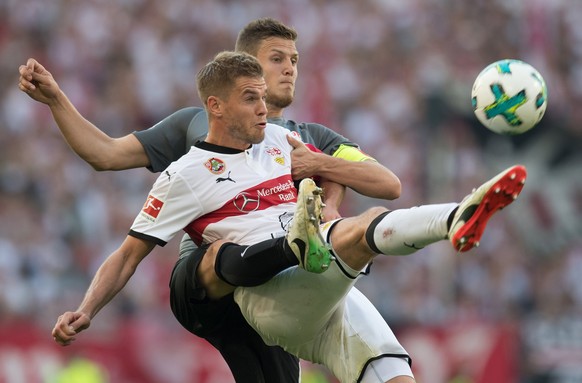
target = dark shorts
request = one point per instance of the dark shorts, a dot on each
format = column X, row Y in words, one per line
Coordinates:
column 221, row 323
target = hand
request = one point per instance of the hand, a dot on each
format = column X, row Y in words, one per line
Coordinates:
column 304, row 162
column 37, row 82
column 68, row 325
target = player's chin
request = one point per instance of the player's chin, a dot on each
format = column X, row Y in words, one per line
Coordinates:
column 282, row 99
column 259, row 135
column 288, row 88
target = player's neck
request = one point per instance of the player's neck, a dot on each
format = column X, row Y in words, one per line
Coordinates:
column 274, row 112
column 226, row 141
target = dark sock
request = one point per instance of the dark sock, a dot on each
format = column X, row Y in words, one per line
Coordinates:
column 253, row 265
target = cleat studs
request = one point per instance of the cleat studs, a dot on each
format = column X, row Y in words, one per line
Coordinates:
column 323, row 205
column 310, row 199
column 512, row 176
column 463, row 240
column 514, row 196
column 497, row 190
column 522, row 182
column 476, row 244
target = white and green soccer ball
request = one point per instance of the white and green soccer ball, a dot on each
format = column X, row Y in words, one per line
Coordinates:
column 509, row 97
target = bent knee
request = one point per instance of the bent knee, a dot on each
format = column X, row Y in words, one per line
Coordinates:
column 373, row 212
column 206, row 275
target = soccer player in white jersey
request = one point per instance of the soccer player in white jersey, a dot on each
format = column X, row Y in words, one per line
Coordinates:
column 319, row 317
column 273, row 43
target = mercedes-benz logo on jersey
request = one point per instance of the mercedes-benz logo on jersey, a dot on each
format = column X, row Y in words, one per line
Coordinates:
column 246, row 203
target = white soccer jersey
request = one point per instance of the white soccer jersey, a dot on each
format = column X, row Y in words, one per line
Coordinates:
column 216, row 193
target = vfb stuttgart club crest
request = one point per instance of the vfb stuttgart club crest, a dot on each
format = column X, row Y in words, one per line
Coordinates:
column 276, row 153
column 215, row 165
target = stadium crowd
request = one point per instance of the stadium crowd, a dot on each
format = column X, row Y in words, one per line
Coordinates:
column 393, row 76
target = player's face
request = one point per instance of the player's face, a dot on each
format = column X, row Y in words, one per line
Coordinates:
column 279, row 58
column 245, row 112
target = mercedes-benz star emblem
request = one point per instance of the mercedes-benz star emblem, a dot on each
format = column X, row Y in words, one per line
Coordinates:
column 246, row 203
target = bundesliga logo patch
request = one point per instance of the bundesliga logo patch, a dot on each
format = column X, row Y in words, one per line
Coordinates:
column 152, row 207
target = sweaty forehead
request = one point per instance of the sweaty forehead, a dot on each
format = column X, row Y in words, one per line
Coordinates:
column 278, row 45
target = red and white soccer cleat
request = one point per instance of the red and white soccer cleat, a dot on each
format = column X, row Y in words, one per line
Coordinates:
column 477, row 208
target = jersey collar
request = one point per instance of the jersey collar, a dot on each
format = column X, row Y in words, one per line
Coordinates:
column 217, row 148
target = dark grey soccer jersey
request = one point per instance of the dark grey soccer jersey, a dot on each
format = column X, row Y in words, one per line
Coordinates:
column 172, row 137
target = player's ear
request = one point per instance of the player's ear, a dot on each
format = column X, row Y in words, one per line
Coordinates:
column 214, row 105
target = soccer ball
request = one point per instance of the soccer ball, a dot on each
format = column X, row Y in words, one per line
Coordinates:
column 509, row 97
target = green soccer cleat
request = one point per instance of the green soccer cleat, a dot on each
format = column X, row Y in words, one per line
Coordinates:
column 303, row 236
column 477, row 208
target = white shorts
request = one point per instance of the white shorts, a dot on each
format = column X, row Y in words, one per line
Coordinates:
column 321, row 318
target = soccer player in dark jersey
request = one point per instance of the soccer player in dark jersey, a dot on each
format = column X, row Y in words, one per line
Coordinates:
column 273, row 44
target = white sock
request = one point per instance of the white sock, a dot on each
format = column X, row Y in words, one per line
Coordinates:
column 404, row 231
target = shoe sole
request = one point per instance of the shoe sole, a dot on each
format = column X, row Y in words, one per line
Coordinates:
column 503, row 191
column 318, row 256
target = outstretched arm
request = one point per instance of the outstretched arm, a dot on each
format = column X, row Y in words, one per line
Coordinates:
column 369, row 178
column 109, row 280
column 89, row 142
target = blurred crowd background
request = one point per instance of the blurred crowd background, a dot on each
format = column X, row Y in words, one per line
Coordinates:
column 394, row 76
